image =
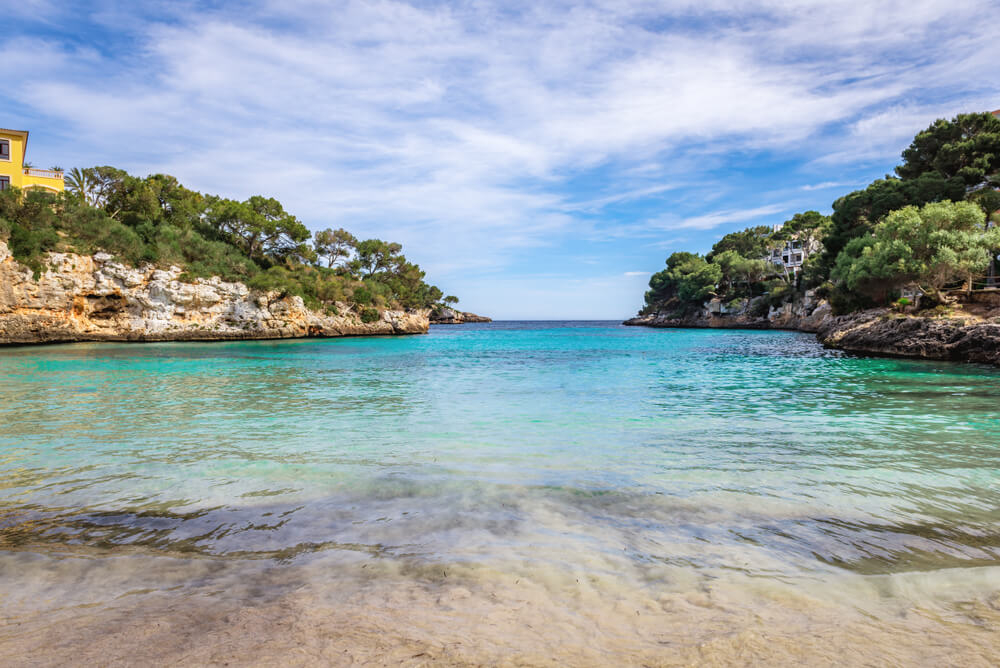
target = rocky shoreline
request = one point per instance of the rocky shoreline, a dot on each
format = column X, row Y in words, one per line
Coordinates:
column 967, row 333
column 94, row 298
column 449, row 316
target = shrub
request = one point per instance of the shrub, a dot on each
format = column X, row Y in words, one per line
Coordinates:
column 759, row 307
column 369, row 315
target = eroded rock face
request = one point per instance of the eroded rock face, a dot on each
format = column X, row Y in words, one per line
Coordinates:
column 81, row 298
column 880, row 333
column 806, row 315
column 873, row 332
column 449, row 316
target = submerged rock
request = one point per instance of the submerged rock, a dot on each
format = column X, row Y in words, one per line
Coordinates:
column 93, row 298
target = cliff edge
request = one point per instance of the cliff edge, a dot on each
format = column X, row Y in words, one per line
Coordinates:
column 93, row 298
column 449, row 316
column 969, row 332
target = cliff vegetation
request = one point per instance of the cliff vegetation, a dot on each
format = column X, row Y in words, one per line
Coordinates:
column 155, row 221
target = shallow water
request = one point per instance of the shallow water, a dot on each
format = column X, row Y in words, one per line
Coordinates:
column 531, row 493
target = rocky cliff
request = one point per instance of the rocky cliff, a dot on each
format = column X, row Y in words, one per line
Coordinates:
column 449, row 316
column 83, row 298
column 880, row 332
column 969, row 332
column 806, row 315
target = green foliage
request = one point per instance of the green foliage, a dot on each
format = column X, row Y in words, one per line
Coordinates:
column 855, row 215
column 988, row 200
column 751, row 242
column 369, row 315
column 966, row 147
column 688, row 277
column 779, row 292
column 758, row 307
column 262, row 228
column 932, row 246
column 736, row 269
column 335, row 245
column 376, row 256
column 158, row 221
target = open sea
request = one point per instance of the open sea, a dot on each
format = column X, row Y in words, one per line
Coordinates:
column 514, row 493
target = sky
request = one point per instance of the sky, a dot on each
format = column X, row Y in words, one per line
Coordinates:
column 538, row 159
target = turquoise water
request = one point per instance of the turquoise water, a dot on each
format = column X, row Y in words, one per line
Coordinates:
column 654, row 461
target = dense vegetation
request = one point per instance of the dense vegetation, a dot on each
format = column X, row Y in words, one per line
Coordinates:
column 155, row 220
column 928, row 228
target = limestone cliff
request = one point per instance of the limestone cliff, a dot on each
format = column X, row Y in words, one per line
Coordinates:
column 806, row 315
column 83, row 298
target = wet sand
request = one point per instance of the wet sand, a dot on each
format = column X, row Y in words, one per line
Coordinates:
column 361, row 611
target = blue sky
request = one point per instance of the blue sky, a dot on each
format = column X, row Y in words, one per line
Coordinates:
column 537, row 159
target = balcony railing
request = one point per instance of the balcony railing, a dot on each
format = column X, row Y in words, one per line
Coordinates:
column 43, row 173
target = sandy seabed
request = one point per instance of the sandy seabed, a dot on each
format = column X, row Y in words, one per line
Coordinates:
column 389, row 612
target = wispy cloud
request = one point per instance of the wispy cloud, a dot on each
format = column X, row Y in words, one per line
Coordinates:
column 826, row 185
column 484, row 135
column 715, row 219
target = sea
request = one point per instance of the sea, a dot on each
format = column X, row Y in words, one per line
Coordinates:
column 509, row 493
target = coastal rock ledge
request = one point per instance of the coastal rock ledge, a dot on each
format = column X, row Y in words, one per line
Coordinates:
column 83, row 298
column 449, row 316
column 970, row 334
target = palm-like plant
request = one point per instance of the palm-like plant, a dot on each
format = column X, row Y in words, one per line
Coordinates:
column 81, row 183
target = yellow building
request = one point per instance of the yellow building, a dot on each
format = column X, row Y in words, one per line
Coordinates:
column 13, row 173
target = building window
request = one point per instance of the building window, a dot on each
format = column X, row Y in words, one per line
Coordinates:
column 797, row 258
column 4, row 150
column 4, row 182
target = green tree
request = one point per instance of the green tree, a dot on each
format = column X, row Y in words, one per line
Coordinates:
column 751, row 242
column 80, row 184
column 261, row 227
column 375, row 256
column 736, row 268
column 335, row 245
column 966, row 147
column 856, row 214
column 688, row 277
column 932, row 247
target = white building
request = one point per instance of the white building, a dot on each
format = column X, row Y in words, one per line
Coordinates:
column 791, row 256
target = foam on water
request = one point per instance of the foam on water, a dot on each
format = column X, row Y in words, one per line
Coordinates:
column 540, row 492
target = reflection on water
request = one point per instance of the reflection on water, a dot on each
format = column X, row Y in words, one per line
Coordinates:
column 674, row 496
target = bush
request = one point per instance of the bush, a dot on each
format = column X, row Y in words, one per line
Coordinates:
column 369, row 315
column 759, row 307
column 362, row 295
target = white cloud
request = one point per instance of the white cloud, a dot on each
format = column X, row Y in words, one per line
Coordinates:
column 825, row 185
column 725, row 217
column 464, row 130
